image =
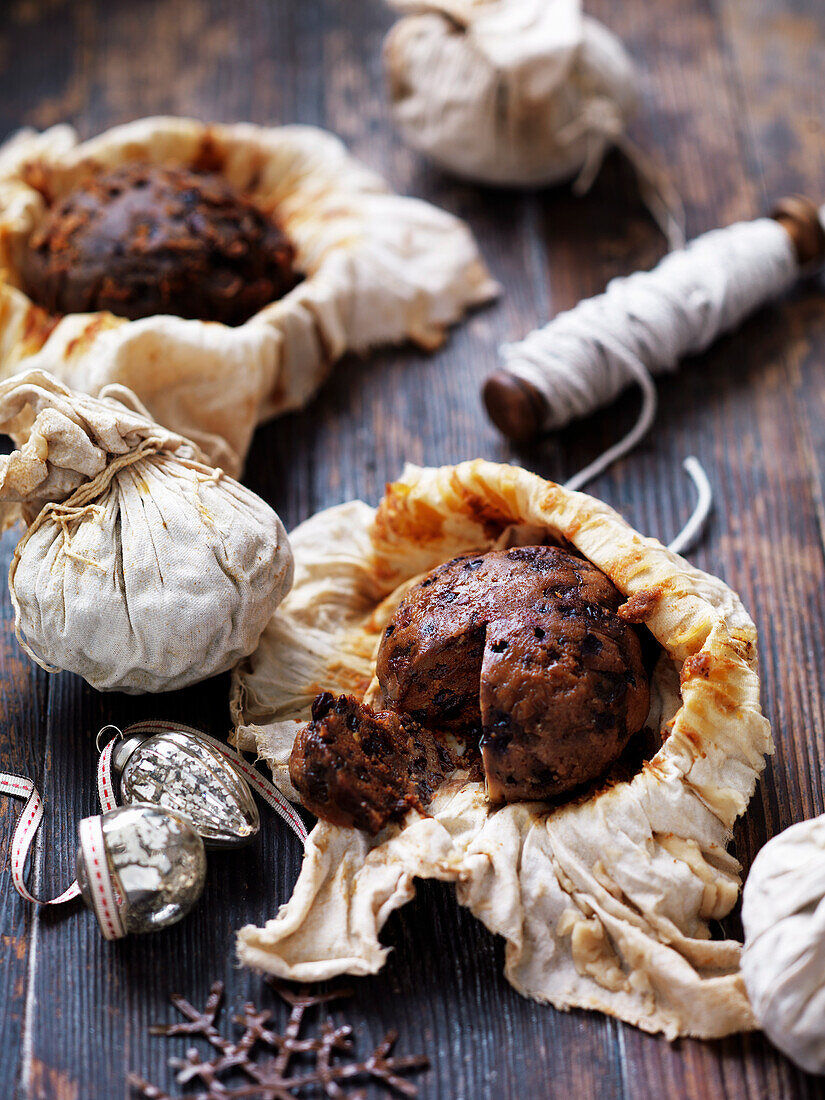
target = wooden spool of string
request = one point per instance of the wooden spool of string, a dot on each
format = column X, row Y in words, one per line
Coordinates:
column 520, row 410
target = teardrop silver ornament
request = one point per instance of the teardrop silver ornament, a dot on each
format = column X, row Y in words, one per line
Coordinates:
column 180, row 771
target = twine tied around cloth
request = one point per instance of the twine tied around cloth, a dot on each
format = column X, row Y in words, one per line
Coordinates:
column 602, row 124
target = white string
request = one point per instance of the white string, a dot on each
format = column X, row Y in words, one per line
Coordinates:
column 690, row 533
column 647, row 414
column 645, row 323
column 642, row 326
column 602, row 122
column 687, row 537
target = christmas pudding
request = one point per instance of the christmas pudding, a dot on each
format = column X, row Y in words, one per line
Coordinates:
column 218, row 271
column 146, row 239
column 604, row 892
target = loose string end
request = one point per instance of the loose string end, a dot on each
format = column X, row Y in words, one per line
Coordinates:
column 693, row 529
column 647, row 414
column 663, row 201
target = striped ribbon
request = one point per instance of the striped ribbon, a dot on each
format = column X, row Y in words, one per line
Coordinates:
column 28, row 824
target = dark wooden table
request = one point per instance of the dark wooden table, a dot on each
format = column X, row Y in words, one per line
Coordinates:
column 734, row 103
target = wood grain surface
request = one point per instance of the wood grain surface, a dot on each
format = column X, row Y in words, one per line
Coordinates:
column 733, row 105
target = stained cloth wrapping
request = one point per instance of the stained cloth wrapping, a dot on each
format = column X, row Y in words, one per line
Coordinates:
column 783, row 914
column 379, row 268
column 604, row 902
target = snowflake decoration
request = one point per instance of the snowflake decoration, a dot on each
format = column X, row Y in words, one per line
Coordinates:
column 278, row 1077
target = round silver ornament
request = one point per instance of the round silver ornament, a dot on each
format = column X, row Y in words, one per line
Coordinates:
column 183, row 772
column 139, row 868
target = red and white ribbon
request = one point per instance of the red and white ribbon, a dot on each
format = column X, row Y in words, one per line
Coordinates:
column 105, row 783
column 28, row 824
column 90, row 831
column 99, row 877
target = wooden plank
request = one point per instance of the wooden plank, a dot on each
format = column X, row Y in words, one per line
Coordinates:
column 22, row 700
column 733, row 407
column 777, row 53
column 442, row 986
column 732, row 134
column 25, row 689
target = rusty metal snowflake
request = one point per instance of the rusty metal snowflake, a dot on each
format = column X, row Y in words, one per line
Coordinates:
column 323, row 1063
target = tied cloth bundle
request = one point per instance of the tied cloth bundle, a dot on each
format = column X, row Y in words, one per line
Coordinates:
column 643, row 324
column 519, row 93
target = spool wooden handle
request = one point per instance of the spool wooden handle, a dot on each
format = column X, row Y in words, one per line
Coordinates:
column 800, row 219
column 519, row 410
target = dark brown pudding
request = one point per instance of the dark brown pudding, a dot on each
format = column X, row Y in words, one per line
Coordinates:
column 147, row 239
column 521, row 653
column 525, row 649
column 360, row 769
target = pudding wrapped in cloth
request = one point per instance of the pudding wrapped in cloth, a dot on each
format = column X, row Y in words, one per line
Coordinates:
column 142, row 568
column 508, row 92
column 276, row 231
column 519, row 93
column 784, row 954
column 604, row 895
column 148, row 239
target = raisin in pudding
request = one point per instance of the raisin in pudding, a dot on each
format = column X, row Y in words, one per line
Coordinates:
column 521, row 654
column 143, row 240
